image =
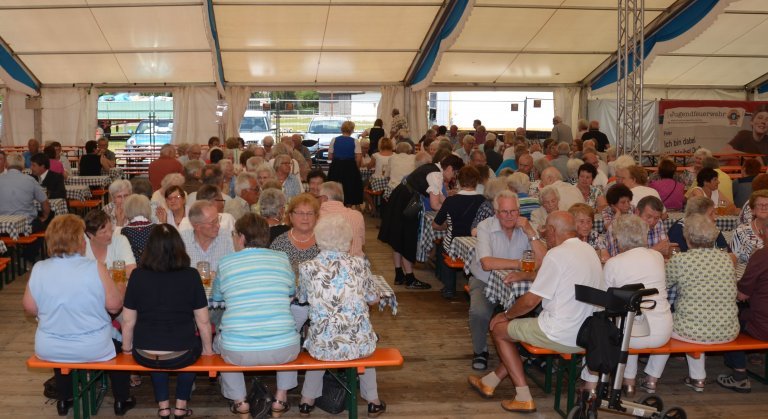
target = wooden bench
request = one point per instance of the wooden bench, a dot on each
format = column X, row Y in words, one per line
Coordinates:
column 84, row 387
column 743, row 342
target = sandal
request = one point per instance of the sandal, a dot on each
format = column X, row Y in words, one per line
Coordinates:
column 696, row 385
column 168, row 416
column 187, row 412
column 135, row 380
column 236, row 408
column 647, row 385
column 306, row 409
column 276, row 413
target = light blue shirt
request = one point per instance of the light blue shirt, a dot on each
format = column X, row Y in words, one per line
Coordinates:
column 18, row 193
column 493, row 242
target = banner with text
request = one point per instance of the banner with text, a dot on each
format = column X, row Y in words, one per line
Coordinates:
column 722, row 126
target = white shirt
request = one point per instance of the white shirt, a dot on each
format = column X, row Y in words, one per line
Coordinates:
column 572, row 262
column 119, row 249
column 493, row 242
column 509, row 153
column 601, row 180
column 381, row 165
column 641, row 266
column 226, row 224
column 639, row 192
column 569, row 195
column 435, row 182
column 400, row 166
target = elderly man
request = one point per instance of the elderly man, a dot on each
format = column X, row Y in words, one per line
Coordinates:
column 467, row 145
column 561, row 132
column 268, row 142
column 195, row 152
column 480, row 134
column 635, row 178
column 247, row 192
column 301, row 148
column 478, row 160
column 595, row 134
column 569, row 262
column 108, row 158
column 561, row 160
column 569, row 194
column 164, row 165
column 332, row 202
column 501, row 241
column 315, row 179
column 18, row 193
column 453, row 135
column 33, row 147
column 52, row 182
column 193, row 171
column 205, row 241
column 649, row 209
column 211, row 175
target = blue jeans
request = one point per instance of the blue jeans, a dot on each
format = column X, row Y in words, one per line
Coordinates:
column 184, row 382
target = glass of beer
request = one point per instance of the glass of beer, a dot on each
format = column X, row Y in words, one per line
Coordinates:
column 204, row 268
column 118, row 272
column 528, row 263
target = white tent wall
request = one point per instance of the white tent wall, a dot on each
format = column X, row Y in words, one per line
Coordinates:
column 392, row 96
column 18, row 122
column 605, row 111
column 69, row 114
column 566, row 100
column 416, row 106
column 194, row 114
column 237, row 101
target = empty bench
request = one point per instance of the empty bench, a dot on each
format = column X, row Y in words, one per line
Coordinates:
column 87, row 397
column 743, row 342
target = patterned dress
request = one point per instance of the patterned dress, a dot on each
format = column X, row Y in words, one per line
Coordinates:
column 283, row 243
column 745, row 242
column 706, row 310
column 338, row 288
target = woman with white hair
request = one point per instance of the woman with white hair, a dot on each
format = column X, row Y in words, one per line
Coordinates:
column 264, row 173
column 272, row 208
column 338, row 288
column 549, row 198
column 400, row 164
column 492, row 188
column 688, row 176
column 139, row 213
column 118, row 191
column 572, row 167
column 705, row 311
column 228, row 172
column 291, row 183
column 170, row 179
column 637, row 264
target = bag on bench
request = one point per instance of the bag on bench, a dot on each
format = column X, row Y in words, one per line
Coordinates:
column 602, row 341
column 260, row 400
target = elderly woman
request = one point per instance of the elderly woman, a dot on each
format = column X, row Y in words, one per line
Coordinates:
column 299, row 241
column 365, row 146
column 695, row 206
column 137, row 210
column 689, row 176
column 400, row 164
column 380, row 159
column 170, row 179
column 521, row 183
column 584, row 215
column 165, row 317
column 118, row 191
column 492, row 189
column 671, row 192
column 257, row 328
column 705, row 311
column 228, row 173
column 346, row 157
column 593, row 195
column 572, row 167
column 264, row 173
column 176, row 200
column 637, row 264
column 272, row 208
column 707, row 186
column 748, row 238
column 291, row 183
column 338, row 288
column 103, row 245
column 71, row 296
column 549, row 197
column 619, row 199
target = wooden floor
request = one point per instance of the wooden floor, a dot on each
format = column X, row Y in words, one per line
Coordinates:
column 432, row 334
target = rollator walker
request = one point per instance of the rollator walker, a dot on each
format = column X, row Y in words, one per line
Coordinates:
column 610, row 351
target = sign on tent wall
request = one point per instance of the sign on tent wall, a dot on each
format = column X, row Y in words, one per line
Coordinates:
column 722, row 126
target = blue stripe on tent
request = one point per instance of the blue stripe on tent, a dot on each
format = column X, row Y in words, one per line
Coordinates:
column 762, row 88
column 15, row 70
column 671, row 29
column 449, row 25
column 215, row 35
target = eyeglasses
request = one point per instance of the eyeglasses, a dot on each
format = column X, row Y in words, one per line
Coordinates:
column 215, row 222
column 761, row 206
column 507, row 213
column 218, row 200
column 173, row 198
column 304, row 214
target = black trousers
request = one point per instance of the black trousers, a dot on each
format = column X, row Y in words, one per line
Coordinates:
column 120, row 382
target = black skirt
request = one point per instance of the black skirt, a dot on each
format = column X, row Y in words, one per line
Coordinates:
column 398, row 231
column 347, row 173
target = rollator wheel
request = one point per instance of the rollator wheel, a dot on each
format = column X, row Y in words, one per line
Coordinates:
column 674, row 413
column 652, row 401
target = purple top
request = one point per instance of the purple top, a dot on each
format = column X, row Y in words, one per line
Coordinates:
column 672, row 193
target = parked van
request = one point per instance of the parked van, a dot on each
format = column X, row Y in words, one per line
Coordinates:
column 255, row 126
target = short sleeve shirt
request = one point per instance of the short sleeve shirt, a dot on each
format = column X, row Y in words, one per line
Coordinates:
column 493, row 242
column 119, row 249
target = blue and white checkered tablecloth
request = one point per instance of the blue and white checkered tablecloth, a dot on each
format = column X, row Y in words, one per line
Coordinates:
column 3, row 249
column 366, row 174
column 15, row 225
column 96, row 181
column 58, row 206
column 379, row 183
column 723, row 222
column 78, row 192
column 427, row 236
column 114, row 173
column 386, row 294
column 463, row 248
column 498, row 292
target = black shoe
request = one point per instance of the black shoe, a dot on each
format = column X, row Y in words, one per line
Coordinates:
column 305, row 410
column 480, row 361
column 62, row 406
column 414, row 284
column 124, row 406
column 374, row 410
column 399, row 276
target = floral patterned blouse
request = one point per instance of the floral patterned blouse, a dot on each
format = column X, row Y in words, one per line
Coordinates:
column 745, row 242
column 338, row 288
column 705, row 310
column 594, row 193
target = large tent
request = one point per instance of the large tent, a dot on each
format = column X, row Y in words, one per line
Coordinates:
column 67, row 51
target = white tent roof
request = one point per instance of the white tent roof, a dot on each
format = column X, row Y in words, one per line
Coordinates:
column 366, row 42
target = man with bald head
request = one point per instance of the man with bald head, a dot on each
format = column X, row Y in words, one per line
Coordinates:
column 595, row 134
column 568, row 262
column 569, row 194
column 33, row 147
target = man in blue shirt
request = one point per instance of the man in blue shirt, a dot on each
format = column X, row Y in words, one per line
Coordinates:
column 34, row 147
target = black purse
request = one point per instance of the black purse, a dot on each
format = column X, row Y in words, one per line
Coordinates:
column 414, row 206
column 334, row 398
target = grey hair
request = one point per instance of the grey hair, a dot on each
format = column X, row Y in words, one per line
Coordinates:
column 172, row 179
column 624, row 162
column 493, row 187
column 271, row 201
column 334, row 233
column 549, row 190
column 403, row 148
column 698, row 205
column 505, row 194
column 541, row 164
column 168, row 150
column 468, row 137
column 563, row 148
column 243, row 181
column 702, row 153
column 137, row 205
column 630, row 232
column 192, row 167
column 253, row 163
column 196, row 210
column 280, row 157
column 333, row 191
column 15, row 161
column 573, row 167
column 519, row 181
column 265, row 167
column 699, row 231
column 225, row 162
column 120, row 185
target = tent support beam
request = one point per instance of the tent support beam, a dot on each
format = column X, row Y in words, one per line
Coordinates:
column 213, row 39
column 429, row 39
column 757, row 83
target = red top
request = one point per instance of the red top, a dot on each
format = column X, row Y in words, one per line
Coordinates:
column 161, row 167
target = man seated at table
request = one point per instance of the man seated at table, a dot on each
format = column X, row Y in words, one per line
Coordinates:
column 52, row 182
column 164, row 165
column 650, row 210
column 501, row 241
column 90, row 162
column 108, row 159
column 569, row 194
column 205, row 241
column 33, row 147
column 332, row 202
column 569, row 262
column 247, row 192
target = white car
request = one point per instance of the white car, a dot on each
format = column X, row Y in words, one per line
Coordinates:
column 255, row 126
column 323, row 129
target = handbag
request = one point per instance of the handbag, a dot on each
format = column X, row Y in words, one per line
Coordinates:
column 413, row 208
column 260, row 400
column 49, row 388
column 334, row 398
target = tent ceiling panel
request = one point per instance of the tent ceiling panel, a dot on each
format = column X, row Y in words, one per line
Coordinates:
column 649, row 4
column 75, row 68
column 60, row 3
column 724, row 71
column 160, row 67
column 55, row 30
column 748, row 5
column 271, row 67
column 345, row 2
column 177, row 27
column 460, row 67
column 665, row 69
column 376, row 26
column 371, row 67
column 550, row 68
column 724, row 33
column 486, row 29
column 242, row 27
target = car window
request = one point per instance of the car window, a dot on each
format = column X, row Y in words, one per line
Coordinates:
column 162, row 126
column 253, row 124
column 325, row 127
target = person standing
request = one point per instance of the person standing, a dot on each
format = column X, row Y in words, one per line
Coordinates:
column 561, row 132
column 346, row 157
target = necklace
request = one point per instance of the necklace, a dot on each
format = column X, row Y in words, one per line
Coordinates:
column 300, row 241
